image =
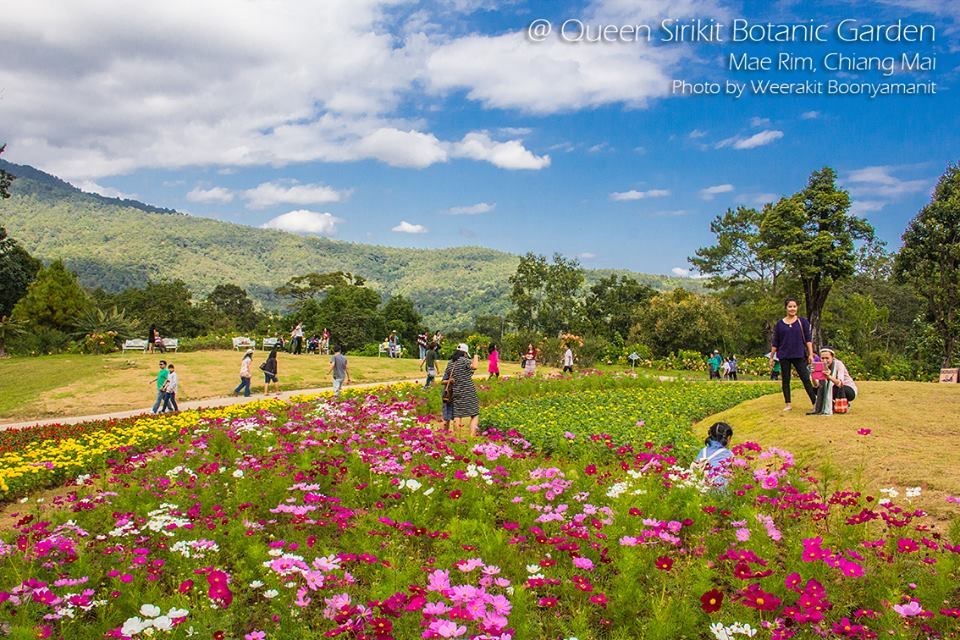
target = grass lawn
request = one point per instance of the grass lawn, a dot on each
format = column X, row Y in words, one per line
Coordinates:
column 914, row 434
column 73, row 385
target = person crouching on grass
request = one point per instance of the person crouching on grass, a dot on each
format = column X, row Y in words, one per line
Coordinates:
column 837, row 384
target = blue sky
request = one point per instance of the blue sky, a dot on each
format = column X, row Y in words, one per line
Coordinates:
column 438, row 124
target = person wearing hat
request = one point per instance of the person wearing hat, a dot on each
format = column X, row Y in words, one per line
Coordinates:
column 459, row 373
column 714, row 364
column 245, row 374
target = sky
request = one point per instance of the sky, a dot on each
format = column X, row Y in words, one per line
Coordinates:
column 465, row 122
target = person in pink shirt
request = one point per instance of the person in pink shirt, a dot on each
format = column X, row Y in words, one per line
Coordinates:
column 493, row 365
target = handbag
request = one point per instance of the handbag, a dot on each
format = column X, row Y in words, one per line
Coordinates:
column 447, row 394
column 841, row 405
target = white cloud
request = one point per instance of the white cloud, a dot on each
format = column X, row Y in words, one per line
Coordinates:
column 759, row 122
column 506, row 155
column 761, row 199
column 599, row 148
column 267, row 194
column 670, row 213
column 472, row 210
column 710, row 192
column 680, row 272
column 810, row 115
column 413, row 149
column 108, row 192
column 625, row 196
column 863, row 207
column 696, row 134
column 586, row 255
column 756, row 140
column 878, row 182
column 304, row 221
column 406, row 227
column 213, row 194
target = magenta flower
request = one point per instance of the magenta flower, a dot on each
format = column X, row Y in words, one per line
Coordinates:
column 863, row 432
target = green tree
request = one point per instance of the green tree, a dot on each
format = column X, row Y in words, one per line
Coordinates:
column 54, row 300
column 814, row 234
column 930, row 259
column 6, row 179
column 164, row 304
column 351, row 313
column 676, row 320
column 486, row 325
column 315, row 285
column 17, row 270
column 233, row 302
column 611, row 306
column 9, row 328
column 401, row 316
column 546, row 297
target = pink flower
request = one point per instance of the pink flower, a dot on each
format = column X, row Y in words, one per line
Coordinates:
column 583, row 563
column 448, row 628
column 863, row 432
column 255, row 635
column 908, row 610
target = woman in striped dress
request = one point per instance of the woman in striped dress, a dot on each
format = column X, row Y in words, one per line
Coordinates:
column 465, row 401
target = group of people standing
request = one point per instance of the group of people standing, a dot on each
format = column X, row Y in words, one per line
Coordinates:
column 269, row 367
column 722, row 368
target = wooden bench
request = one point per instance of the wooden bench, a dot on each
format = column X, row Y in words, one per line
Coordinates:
column 269, row 343
column 136, row 344
column 243, row 342
column 171, row 344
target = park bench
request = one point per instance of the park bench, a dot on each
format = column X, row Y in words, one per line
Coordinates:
column 243, row 342
column 270, row 343
column 137, row 344
column 385, row 348
column 171, row 344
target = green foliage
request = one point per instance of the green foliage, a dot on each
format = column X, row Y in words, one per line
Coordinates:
column 17, row 270
column 6, row 179
column 682, row 320
column 164, row 304
column 930, row 259
column 611, row 305
column 8, row 329
column 233, row 302
column 546, row 297
column 54, row 300
column 103, row 331
column 400, row 315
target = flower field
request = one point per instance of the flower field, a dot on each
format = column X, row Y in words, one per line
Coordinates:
column 356, row 519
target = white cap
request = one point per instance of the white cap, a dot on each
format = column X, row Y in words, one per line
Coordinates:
column 464, row 347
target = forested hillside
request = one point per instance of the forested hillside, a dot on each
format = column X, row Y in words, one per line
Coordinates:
column 115, row 244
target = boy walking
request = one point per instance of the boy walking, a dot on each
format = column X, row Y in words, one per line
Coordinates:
column 338, row 367
column 161, row 380
column 170, row 390
column 430, row 360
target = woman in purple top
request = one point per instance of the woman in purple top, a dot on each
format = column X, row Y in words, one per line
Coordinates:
column 793, row 345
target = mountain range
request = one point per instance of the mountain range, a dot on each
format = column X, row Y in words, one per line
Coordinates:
column 117, row 243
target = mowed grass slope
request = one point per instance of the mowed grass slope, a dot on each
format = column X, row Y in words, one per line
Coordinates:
column 913, row 441
column 77, row 385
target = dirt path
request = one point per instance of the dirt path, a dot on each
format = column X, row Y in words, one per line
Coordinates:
column 222, row 401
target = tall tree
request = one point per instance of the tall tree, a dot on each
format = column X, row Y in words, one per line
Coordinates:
column 17, row 270
column 930, row 258
column 234, row 303
column 6, row 179
column 315, row 285
column 611, row 305
column 740, row 254
column 54, row 300
column 164, row 304
column 401, row 316
column 545, row 296
column 814, row 234
column 676, row 320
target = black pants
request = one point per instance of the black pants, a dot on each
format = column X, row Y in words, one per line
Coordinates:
column 297, row 345
column 800, row 364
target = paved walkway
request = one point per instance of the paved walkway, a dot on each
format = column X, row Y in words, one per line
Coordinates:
column 223, row 401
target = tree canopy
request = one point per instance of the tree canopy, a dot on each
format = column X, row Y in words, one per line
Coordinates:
column 930, row 258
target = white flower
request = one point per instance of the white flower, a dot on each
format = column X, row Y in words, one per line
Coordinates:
column 133, row 626
column 150, row 610
column 163, row 623
column 429, row 491
column 912, row 492
column 269, row 594
column 533, row 568
column 413, row 484
column 177, row 613
column 256, row 584
column 890, row 491
column 238, row 473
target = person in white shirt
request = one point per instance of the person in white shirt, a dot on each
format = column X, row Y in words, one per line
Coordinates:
column 568, row 360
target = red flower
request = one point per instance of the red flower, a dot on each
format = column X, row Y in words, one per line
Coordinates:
column 711, row 600
column 664, row 563
column 756, row 598
column 599, row 599
column 381, row 626
column 547, row 602
column 591, row 470
column 219, row 635
column 455, row 494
